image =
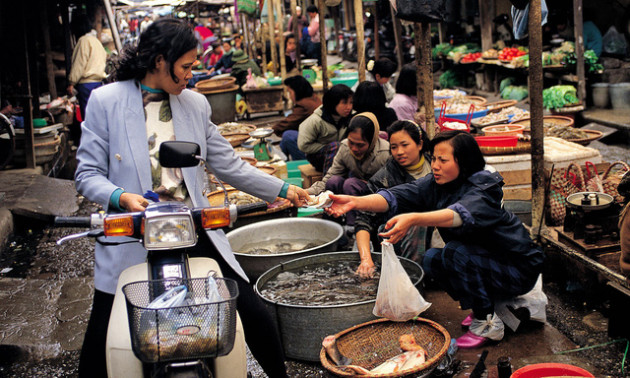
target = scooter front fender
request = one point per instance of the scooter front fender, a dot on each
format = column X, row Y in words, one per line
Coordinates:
column 121, row 362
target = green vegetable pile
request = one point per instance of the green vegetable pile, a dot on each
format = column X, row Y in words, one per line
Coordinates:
column 450, row 79
column 559, row 96
column 515, row 92
column 590, row 61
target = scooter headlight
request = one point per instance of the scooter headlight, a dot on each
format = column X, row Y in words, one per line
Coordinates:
column 172, row 231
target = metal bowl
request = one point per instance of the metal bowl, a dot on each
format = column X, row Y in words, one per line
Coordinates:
column 320, row 321
column 283, row 228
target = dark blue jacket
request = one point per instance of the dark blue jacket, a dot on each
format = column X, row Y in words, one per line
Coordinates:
column 477, row 200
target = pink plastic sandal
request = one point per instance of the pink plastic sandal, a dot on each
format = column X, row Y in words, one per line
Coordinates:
column 470, row 340
column 468, row 320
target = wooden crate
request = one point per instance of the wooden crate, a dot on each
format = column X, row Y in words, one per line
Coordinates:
column 310, row 175
column 263, row 100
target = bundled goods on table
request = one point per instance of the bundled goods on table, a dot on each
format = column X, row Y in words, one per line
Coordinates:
column 255, row 82
column 560, row 96
column 490, row 54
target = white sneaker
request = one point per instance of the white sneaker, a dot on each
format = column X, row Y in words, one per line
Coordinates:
column 492, row 327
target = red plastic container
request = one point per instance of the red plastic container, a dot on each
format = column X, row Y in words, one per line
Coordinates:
column 550, row 370
column 497, row 141
column 442, row 119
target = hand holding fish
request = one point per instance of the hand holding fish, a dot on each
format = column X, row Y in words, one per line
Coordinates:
column 398, row 226
column 297, row 196
column 341, row 205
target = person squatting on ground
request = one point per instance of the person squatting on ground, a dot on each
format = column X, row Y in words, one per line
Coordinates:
column 361, row 154
column 319, row 135
column 488, row 255
column 408, row 145
column 305, row 101
column 123, row 129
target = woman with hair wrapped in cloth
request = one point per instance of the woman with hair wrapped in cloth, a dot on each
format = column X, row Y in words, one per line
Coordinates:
column 488, row 255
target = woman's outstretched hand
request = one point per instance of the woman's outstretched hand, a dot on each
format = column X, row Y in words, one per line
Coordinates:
column 341, row 205
column 298, row 196
column 397, row 227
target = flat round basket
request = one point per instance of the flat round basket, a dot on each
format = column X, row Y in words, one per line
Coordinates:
column 521, row 147
column 268, row 170
column 554, row 120
column 370, row 344
column 593, row 135
column 232, row 128
column 216, row 199
column 496, row 106
column 236, row 139
column 214, row 84
column 476, row 100
column 249, row 160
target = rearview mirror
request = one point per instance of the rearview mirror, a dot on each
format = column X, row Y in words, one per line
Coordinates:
column 177, row 154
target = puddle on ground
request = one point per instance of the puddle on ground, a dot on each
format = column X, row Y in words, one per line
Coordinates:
column 277, row 246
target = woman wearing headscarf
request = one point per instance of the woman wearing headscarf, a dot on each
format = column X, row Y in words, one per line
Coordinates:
column 361, row 154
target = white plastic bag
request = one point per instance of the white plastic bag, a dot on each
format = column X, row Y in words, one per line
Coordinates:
column 614, row 42
column 535, row 301
column 397, row 299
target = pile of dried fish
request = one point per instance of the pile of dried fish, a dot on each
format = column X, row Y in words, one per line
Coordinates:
column 234, row 128
column 240, row 198
column 565, row 132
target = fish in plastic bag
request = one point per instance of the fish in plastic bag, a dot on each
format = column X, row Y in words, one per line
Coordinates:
column 397, row 299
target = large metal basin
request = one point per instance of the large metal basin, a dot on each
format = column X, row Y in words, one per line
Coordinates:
column 287, row 228
column 302, row 328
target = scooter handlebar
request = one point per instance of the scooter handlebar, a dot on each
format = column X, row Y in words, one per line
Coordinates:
column 72, row 222
column 251, row 208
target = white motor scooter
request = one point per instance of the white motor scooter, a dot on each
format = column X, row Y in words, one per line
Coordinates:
column 202, row 335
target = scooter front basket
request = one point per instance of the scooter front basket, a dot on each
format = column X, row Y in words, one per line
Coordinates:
column 202, row 325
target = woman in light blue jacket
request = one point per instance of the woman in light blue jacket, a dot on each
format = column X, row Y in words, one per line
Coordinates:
column 124, row 126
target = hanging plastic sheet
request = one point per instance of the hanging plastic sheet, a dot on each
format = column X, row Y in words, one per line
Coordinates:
column 420, row 10
column 520, row 19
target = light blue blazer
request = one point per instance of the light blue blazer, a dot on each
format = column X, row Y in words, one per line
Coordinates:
column 114, row 153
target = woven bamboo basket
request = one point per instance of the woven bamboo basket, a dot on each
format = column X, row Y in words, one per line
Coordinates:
column 520, row 148
column 370, row 344
column 241, row 128
column 496, row 106
column 236, row 139
column 555, row 120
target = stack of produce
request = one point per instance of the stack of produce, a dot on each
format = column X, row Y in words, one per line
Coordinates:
column 470, row 57
column 509, row 53
column 560, row 96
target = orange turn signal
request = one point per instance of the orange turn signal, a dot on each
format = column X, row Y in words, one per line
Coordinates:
column 118, row 225
column 215, row 217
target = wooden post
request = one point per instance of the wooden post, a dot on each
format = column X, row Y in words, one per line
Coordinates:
column 283, row 63
column 29, row 148
column 441, row 32
column 263, row 36
column 296, row 33
column 50, row 68
column 358, row 15
column 425, row 74
column 113, row 25
column 272, row 37
column 67, row 51
column 337, row 21
column 579, row 49
column 536, row 111
column 486, row 14
column 346, row 15
column 397, row 34
column 377, row 47
column 321, row 5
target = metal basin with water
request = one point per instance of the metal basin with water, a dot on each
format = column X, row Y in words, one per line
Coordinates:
column 325, row 232
column 302, row 328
